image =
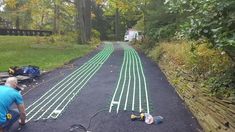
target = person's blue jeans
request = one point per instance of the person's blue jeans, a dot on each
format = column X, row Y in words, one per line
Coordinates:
column 15, row 116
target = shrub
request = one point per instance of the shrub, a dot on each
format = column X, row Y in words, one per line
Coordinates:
column 213, row 68
column 95, row 34
column 156, row 53
column 95, row 37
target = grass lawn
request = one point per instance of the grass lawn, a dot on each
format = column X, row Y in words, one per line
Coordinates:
column 24, row 50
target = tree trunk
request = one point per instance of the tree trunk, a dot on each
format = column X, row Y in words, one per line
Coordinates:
column 42, row 21
column 55, row 19
column 84, row 19
column 56, row 28
column 82, row 6
column 17, row 22
column 77, row 20
column 88, row 20
column 144, row 15
column 27, row 20
column 117, row 24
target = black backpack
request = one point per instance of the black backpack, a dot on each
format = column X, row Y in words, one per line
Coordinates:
column 15, row 70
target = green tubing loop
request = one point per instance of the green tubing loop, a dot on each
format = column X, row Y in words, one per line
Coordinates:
column 130, row 75
column 60, row 95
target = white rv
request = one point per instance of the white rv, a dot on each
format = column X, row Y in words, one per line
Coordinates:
column 132, row 34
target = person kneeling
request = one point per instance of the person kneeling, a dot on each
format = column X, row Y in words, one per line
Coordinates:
column 9, row 95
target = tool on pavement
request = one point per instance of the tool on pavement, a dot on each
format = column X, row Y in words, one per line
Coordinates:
column 138, row 117
column 147, row 118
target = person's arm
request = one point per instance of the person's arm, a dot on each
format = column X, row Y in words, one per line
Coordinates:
column 21, row 109
column 1, row 129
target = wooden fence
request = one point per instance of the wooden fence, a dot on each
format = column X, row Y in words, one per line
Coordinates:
column 19, row 32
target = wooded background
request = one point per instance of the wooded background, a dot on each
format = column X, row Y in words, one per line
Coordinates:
column 108, row 19
column 195, row 36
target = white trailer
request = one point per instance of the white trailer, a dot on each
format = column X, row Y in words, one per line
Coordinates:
column 132, row 34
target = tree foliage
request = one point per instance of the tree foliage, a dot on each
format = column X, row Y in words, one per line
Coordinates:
column 209, row 23
column 213, row 20
column 120, row 15
column 40, row 14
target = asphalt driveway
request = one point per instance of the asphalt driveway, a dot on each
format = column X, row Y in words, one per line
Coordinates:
column 95, row 97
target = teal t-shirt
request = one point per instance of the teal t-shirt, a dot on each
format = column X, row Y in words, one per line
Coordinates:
column 8, row 96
